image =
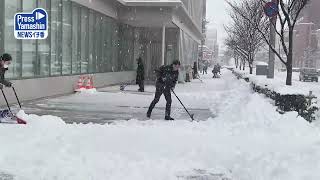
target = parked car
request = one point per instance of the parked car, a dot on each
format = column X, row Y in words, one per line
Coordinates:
column 296, row 69
column 309, row 74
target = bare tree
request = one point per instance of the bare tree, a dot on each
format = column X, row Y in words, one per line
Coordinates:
column 287, row 17
column 244, row 38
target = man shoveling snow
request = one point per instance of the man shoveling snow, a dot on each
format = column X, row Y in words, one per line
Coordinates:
column 7, row 115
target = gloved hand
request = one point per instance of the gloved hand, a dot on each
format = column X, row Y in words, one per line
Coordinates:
column 9, row 84
column 1, row 86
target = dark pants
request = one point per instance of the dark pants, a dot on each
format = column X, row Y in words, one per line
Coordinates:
column 161, row 89
column 205, row 70
column 141, row 86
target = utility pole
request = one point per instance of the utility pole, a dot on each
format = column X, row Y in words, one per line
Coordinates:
column 273, row 20
column 273, row 25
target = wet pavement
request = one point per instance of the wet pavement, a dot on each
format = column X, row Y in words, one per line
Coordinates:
column 75, row 113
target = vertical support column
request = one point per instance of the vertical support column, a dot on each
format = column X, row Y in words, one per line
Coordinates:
column 163, row 43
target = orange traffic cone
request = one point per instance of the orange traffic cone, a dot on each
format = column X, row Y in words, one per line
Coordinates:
column 80, row 83
column 89, row 83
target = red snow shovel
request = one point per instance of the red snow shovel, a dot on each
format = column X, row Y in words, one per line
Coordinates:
column 14, row 117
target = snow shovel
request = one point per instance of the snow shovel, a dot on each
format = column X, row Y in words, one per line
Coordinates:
column 13, row 117
column 15, row 93
column 124, row 85
column 198, row 76
column 191, row 115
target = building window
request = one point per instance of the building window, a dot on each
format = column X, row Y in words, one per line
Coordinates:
column 104, row 50
column 66, row 36
column 30, row 65
column 8, row 41
column 84, row 39
column 92, row 39
column 98, row 32
column 126, row 52
column 80, row 41
column 43, row 48
column 56, row 37
column 108, row 43
column 115, row 46
column 75, row 39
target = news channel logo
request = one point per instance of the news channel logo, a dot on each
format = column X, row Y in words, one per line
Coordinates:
column 32, row 25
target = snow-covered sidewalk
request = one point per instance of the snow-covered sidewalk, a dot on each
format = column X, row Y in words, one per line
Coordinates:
column 278, row 84
column 247, row 137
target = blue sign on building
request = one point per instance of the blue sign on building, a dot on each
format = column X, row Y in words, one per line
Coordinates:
column 32, row 25
column 271, row 9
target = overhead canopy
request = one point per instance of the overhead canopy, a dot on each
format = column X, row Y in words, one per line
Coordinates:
column 151, row 2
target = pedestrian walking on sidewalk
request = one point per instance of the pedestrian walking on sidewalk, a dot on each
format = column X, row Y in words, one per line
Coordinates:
column 140, row 75
column 167, row 77
column 205, row 67
column 195, row 70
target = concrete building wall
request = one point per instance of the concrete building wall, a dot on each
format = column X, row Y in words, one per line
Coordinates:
column 29, row 89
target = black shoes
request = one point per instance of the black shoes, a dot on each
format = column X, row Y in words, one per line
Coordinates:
column 168, row 118
column 148, row 114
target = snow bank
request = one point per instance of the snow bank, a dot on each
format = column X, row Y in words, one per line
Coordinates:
column 261, row 63
column 48, row 121
column 88, row 91
column 278, row 84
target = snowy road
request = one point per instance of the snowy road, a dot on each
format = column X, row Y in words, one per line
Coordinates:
column 243, row 136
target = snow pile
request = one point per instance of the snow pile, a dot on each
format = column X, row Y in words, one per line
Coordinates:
column 278, row 84
column 34, row 120
column 89, row 91
column 248, row 140
column 261, row 63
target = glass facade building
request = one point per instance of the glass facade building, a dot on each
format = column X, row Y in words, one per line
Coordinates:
column 81, row 40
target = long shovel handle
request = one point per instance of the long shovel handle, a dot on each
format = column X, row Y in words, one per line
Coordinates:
column 15, row 93
column 5, row 98
column 191, row 115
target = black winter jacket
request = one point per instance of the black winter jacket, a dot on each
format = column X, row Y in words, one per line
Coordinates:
column 167, row 76
column 2, row 80
column 140, row 73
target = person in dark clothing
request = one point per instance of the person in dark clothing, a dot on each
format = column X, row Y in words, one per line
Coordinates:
column 205, row 67
column 195, row 70
column 167, row 77
column 140, row 75
column 5, row 61
column 219, row 68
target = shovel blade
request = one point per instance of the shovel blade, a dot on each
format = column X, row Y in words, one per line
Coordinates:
column 192, row 117
column 21, row 121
